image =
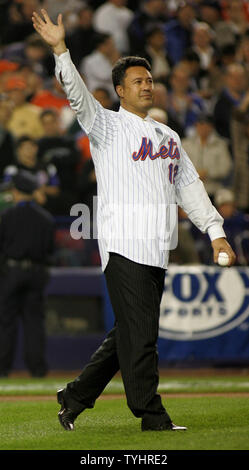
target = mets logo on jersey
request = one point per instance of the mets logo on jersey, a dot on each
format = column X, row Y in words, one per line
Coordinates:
column 203, row 302
column 146, row 150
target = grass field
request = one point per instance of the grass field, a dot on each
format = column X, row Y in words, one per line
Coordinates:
column 215, row 422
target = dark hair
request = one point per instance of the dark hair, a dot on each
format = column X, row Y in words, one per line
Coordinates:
column 48, row 112
column 24, row 138
column 100, row 38
column 124, row 63
column 152, row 29
column 100, row 88
column 35, row 41
column 228, row 49
column 191, row 56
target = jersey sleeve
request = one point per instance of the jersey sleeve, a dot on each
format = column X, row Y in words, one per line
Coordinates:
column 187, row 173
column 192, row 197
column 194, row 200
column 92, row 117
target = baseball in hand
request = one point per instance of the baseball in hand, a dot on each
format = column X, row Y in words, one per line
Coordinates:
column 223, row 259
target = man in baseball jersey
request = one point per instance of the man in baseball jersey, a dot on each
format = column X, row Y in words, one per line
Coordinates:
column 141, row 169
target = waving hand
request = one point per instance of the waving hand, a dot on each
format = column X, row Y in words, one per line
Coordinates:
column 53, row 34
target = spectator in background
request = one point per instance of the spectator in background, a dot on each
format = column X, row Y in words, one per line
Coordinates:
column 184, row 105
column 34, row 82
column 207, row 74
column 209, row 154
column 179, row 32
column 24, row 119
column 6, row 70
column 33, row 53
column 154, row 52
column 46, row 175
column 203, row 46
column 206, row 84
column 242, row 53
column 237, row 17
column 161, row 101
column 230, row 97
column 26, row 244
column 114, row 18
column 236, row 224
column 18, row 24
column 240, row 146
column 97, row 67
column 103, row 96
column 149, row 13
column 60, row 151
column 191, row 61
column 7, row 152
column 53, row 96
column 159, row 115
column 84, row 34
column 186, row 251
column 227, row 56
column 234, row 24
column 69, row 9
column 210, row 12
column 4, row 6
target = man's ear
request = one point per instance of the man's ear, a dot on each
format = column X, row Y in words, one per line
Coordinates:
column 120, row 91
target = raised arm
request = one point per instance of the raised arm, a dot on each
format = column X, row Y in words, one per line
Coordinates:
column 81, row 100
column 53, row 34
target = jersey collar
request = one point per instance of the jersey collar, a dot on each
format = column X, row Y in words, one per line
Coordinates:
column 126, row 113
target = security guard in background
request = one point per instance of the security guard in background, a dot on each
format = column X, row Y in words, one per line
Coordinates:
column 26, row 241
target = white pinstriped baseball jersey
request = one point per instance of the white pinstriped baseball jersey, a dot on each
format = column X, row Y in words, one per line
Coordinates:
column 141, row 169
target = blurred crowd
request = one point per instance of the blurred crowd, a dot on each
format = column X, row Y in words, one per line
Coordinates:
column 199, row 53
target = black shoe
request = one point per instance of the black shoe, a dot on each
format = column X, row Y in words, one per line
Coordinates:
column 66, row 415
column 162, row 427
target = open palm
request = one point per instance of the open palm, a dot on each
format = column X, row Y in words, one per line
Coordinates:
column 52, row 33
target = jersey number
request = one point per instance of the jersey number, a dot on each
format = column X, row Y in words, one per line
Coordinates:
column 172, row 172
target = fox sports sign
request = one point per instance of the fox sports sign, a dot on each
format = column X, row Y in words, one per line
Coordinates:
column 202, row 302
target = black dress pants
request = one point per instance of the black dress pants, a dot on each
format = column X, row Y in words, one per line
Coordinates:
column 21, row 296
column 135, row 292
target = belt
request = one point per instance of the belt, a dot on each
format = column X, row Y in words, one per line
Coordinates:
column 21, row 263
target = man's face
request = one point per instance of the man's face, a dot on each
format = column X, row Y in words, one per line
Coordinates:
column 136, row 92
column 26, row 154
column 227, row 209
column 209, row 14
column 186, row 16
column 204, row 129
column 180, row 80
column 17, row 97
column 51, row 125
column 202, row 37
column 157, row 40
column 236, row 80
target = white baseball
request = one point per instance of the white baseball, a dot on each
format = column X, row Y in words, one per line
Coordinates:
column 223, row 259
